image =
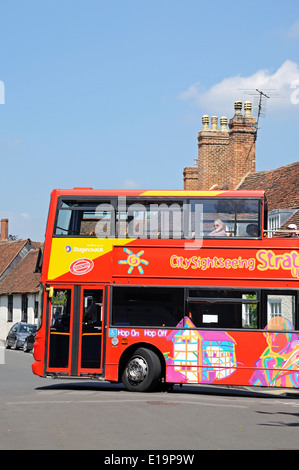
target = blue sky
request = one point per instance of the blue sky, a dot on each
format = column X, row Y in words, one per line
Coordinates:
column 110, row 93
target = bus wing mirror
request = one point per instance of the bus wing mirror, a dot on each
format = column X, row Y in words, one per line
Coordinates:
column 50, row 291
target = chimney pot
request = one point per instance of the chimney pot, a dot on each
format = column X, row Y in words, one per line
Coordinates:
column 4, row 229
column 248, row 108
column 205, row 122
column 238, row 107
column 223, row 123
column 214, row 122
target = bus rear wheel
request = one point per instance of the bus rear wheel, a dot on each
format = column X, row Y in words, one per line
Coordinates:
column 142, row 371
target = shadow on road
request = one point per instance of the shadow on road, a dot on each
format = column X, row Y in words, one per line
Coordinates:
column 228, row 391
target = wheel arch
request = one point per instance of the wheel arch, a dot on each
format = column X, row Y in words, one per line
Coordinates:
column 130, row 351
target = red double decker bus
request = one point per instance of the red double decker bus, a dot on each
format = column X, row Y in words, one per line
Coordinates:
column 164, row 287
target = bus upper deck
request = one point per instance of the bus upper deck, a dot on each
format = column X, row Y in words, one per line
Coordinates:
column 158, row 214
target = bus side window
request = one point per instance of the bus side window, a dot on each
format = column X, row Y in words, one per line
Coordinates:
column 223, row 308
column 281, row 307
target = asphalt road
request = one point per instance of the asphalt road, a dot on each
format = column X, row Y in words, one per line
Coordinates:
column 47, row 414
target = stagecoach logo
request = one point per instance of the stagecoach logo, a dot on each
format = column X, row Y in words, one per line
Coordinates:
column 81, row 266
column 84, row 249
column 134, row 261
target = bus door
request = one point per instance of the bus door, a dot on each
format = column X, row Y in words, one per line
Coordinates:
column 75, row 330
column 60, row 319
column 91, row 331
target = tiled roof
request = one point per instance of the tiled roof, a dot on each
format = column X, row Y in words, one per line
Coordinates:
column 281, row 186
column 22, row 278
column 8, row 252
column 293, row 220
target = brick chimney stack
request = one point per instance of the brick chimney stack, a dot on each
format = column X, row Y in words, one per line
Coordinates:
column 225, row 155
column 242, row 131
column 212, row 153
column 4, row 229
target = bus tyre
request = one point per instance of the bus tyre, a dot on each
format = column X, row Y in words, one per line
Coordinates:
column 142, row 371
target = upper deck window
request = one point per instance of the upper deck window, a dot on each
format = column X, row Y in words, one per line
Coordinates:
column 156, row 218
column 85, row 219
column 228, row 217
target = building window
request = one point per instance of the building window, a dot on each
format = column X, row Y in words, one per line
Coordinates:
column 282, row 305
column 24, row 308
column 36, row 309
column 275, row 308
column 274, row 224
column 277, row 218
column 10, row 308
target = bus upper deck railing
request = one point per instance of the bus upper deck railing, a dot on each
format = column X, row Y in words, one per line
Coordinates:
column 285, row 233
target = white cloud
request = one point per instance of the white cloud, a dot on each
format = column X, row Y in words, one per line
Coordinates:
column 14, row 142
column 293, row 31
column 11, row 142
column 25, row 216
column 130, row 184
column 281, row 85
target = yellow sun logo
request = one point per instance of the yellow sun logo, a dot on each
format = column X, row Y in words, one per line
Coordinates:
column 134, row 261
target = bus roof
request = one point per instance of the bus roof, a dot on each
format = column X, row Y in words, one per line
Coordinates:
column 90, row 192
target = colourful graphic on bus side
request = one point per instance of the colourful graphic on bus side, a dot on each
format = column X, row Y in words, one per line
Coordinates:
column 134, row 260
column 278, row 365
column 202, row 356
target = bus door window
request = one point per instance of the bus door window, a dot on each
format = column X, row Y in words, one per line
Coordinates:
column 60, row 328
column 91, row 329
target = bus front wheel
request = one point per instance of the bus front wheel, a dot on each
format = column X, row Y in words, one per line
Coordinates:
column 142, row 371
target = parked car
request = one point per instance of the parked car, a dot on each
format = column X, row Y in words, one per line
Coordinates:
column 17, row 335
column 29, row 342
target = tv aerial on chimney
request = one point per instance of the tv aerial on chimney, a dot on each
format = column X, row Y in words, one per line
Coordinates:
column 262, row 95
column 260, row 103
